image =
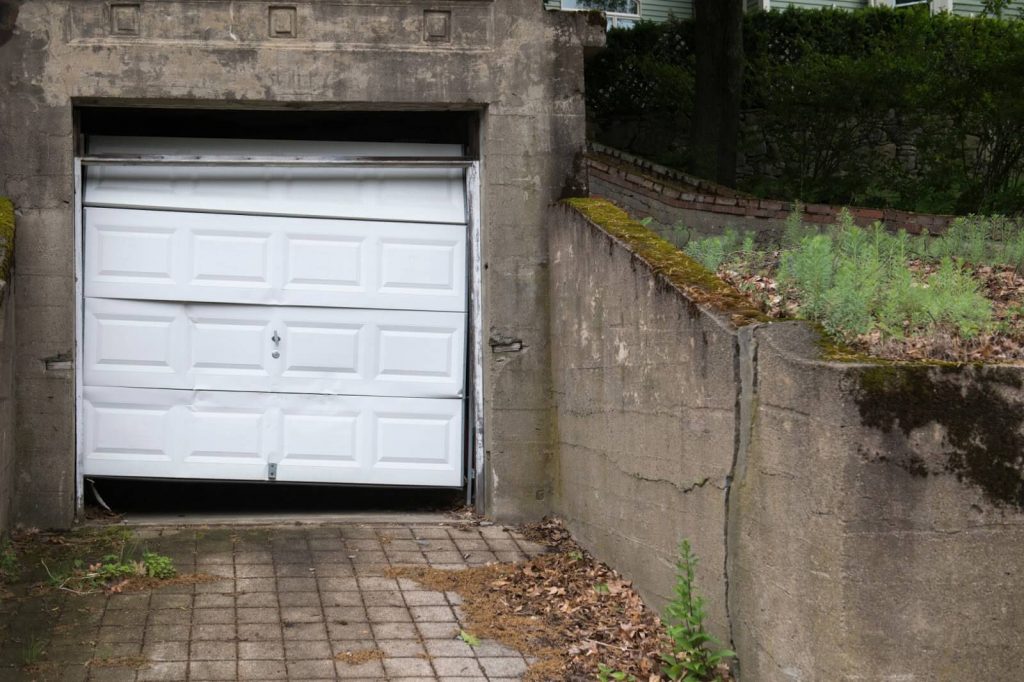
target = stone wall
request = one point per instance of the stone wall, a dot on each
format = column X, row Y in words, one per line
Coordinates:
column 874, row 513
column 515, row 64
column 672, row 198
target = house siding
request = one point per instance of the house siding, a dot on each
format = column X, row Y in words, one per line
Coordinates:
column 971, row 8
column 660, row 10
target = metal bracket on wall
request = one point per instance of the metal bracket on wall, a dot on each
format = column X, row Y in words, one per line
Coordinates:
column 271, row 472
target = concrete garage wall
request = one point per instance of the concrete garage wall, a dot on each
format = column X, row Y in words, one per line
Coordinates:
column 518, row 65
column 874, row 513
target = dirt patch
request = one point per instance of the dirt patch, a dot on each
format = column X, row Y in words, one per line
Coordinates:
column 563, row 608
column 359, row 656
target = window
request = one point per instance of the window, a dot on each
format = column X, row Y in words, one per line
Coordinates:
column 620, row 13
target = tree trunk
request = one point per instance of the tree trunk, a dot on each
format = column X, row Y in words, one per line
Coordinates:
column 716, row 112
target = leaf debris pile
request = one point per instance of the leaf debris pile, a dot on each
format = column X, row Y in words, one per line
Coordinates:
column 563, row 608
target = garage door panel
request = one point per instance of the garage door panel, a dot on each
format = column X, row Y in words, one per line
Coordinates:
column 156, row 344
column 179, row 256
column 417, row 194
column 222, row 435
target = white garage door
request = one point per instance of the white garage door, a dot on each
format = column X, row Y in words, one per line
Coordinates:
column 301, row 324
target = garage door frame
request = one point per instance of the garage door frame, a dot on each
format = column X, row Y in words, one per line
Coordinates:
column 473, row 454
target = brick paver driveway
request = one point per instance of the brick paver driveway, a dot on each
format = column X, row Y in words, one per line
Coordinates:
column 291, row 599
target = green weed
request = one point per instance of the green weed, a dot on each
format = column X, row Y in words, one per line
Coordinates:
column 608, row 674
column 694, row 656
column 10, row 566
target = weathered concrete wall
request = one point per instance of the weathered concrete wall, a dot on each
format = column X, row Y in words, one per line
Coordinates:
column 520, row 66
column 645, row 389
column 877, row 528
column 7, row 342
column 875, row 513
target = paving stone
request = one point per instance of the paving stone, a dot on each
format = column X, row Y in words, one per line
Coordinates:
column 438, row 630
column 394, row 631
column 447, row 648
column 212, row 670
column 258, row 615
column 256, row 599
column 213, row 616
column 161, row 671
column 399, row 648
column 272, row 650
column 262, row 670
column 170, row 601
column 168, row 633
column 254, row 570
column 125, row 617
column 111, row 675
column 423, row 598
column 165, row 651
column 432, row 614
column 371, row 670
column 503, row 667
column 299, row 599
column 457, row 667
column 407, row 667
column 259, row 632
column 303, row 631
column 307, row 650
column 308, row 670
column 210, row 601
column 388, row 614
column 220, row 632
column 212, row 651
column 302, row 614
column 382, row 598
column 349, row 630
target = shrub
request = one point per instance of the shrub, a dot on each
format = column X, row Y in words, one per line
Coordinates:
column 875, row 106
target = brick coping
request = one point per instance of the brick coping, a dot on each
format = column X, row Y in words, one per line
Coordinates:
column 681, row 190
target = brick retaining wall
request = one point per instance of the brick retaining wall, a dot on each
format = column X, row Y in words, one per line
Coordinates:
column 672, row 197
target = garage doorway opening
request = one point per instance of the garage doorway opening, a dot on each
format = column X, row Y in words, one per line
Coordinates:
column 278, row 309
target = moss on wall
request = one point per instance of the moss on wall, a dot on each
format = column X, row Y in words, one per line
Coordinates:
column 983, row 423
column 6, row 238
column 700, row 285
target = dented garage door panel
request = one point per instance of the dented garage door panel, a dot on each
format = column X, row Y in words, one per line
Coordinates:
column 156, row 344
column 399, row 194
column 229, row 335
column 163, row 433
column 184, row 256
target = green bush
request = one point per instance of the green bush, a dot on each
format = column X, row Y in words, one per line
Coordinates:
column 871, row 107
column 854, row 281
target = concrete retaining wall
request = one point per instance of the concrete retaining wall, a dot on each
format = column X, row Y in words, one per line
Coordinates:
column 874, row 513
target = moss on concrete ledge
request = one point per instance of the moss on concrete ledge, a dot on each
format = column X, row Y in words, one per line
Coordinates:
column 693, row 280
column 6, row 238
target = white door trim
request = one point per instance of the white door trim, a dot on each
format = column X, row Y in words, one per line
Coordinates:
column 476, row 461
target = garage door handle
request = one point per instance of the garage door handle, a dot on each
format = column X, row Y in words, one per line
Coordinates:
column 276, row 339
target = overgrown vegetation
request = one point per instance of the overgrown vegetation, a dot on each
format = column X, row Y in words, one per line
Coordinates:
column 85, row 561
column 954, row 297
column 872, row 107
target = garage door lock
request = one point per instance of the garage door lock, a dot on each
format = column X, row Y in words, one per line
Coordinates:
column 271, row 472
